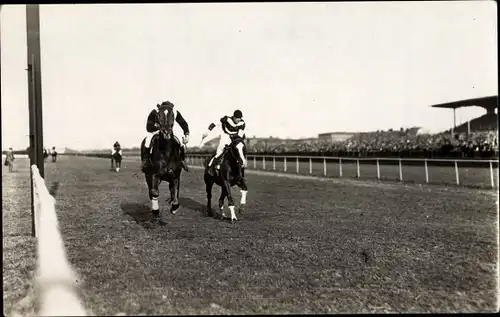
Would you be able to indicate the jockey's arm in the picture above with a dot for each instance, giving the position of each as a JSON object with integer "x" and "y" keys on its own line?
{"x": 182, "y": 123}
{"x": 150, "y": 125}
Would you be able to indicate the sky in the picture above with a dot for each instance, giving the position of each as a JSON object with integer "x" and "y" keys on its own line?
{"x": 293, "y": 69}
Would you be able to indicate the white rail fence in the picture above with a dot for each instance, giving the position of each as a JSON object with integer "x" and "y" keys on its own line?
{"x": 259, "y": 162}
{"x": 56, "y": 280}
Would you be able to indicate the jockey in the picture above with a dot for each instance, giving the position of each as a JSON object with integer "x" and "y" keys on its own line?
{"x": 232, "y": 128}
{"x": 153, "y": 126}
{"x": 116, "y": 148}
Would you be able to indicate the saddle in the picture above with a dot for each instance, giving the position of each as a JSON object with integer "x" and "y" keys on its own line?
{"x": 156, "y": 136}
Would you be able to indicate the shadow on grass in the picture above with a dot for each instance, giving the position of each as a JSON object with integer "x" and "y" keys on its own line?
{"x": 189, "y": 203}
{"x": 140, "y": 213}
{"x": 54, "y": 188}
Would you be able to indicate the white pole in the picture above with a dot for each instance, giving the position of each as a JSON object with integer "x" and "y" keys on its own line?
{"x": 263, "y": 162}
{"x": 400, "y": 170}
{"x": 285, "y": 164}
{"x": 378, "y": 169}
{"x": 310, "y": 166}
{"x": 357, "y": 169}
{"x": 492, "y": 176}
{"x": 297, "y": 164}
{"x": 426, "y": 172}
{"x": 324, "y": 166}
{"x": 255, "y": 162}
{"x": 340, "y": 166}
{"x": 456, "y": 173}
{"x": 274, "y": 163}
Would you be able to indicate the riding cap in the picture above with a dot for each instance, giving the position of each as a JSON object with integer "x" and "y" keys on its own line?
{"x": 238, "y": 114}
{"x": 167, "y": 104}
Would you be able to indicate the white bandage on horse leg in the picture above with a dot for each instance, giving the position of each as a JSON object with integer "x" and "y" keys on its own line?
{"x": 233, "y": 214}
{"x": 243, "y": 197}
{"x": 154, "y": 203}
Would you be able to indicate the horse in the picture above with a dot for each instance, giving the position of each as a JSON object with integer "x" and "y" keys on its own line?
{"x": 231, "y": 173}
{"x": 116, "y": 157}
{"x": 54, "y": 155}
{"x": 165, "y": 166}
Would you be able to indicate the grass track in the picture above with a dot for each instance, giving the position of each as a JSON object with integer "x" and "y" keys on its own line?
{"x": 303, "y": 245}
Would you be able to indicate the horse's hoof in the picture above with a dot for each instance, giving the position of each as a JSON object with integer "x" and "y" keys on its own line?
{"x": 174, "y": 208}
{"x": 233, "y": 220}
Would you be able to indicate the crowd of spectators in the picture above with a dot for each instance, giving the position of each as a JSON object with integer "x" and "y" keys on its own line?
{"x": 403, "y": 142}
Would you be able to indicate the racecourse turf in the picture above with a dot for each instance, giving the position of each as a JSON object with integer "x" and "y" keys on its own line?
{"x": 304, "y": 245}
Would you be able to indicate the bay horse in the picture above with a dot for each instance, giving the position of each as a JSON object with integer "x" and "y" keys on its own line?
{"x": 116, "y": 160}
{"x": 54, "y": 154}
{"x": 165, "y": 165}
{"x": 116, "y": 157}
{"x": 230, "y": 173}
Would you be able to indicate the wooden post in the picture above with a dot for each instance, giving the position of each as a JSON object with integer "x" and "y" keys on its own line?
{"x": 34, "y": 96}
{"x": 426, "y": 172}
{"x": 340, "y": 166}
{"x": 378, "y": 169}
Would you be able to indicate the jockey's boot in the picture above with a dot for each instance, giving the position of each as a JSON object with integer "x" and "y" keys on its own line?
{"x": 183, "y": 159}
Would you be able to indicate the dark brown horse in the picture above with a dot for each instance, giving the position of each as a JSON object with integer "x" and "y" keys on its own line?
{"x": 165, "y": 165}
{"x": 231, "y": 173}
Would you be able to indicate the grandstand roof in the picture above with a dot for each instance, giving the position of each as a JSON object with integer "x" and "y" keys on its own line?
{"x": 490, "y": 102}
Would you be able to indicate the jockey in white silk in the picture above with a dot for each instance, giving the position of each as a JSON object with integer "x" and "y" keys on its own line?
{"x": 152, "y": 127}
{"x": 228, "y": 129}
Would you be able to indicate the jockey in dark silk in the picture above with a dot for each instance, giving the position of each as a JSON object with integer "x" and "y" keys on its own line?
{"x": 153, "y": 125}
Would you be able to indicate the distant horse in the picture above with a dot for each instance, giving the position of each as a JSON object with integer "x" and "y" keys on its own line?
{"x": 54, "y": 155}
{"x": 9, "y": 161}
{"x": 116, "y": 158}
{"x": 165, "y": 165}
{"x": 231, "y": 173}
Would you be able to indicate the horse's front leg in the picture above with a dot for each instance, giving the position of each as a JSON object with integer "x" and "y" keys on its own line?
{"x": 174, "y": 195}
{"x": 230, "y": 201}
{"x": 244, "y": 190}
{"x": 153, "y": 184}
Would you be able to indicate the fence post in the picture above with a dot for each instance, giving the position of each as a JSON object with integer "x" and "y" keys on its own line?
{"x": 285, "y": 164}
{"x": 255, "y": 162}
{"x": 324, "y": 166}
{"x": 492, "y": 176}
{"x": 297, "y": 165}
{"x": 378, "y": 169}
{"x": 263, "y": 162}
{"x": 310, "y": 166}
{"x": 357, "y": 169}
{"x": 456, "y": 173}
{"x": 274, "y": 163}
{"x": 400, "y": 170}
{"x": 340, "y": 166}
{"x": 426, "y": 172}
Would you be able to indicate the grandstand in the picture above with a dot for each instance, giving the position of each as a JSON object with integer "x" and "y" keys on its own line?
{"x": 487, "y": 122}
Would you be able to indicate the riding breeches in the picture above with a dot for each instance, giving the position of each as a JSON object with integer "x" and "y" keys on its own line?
{"x": 224, "y": 140}
{"x": 113, "y": 151}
